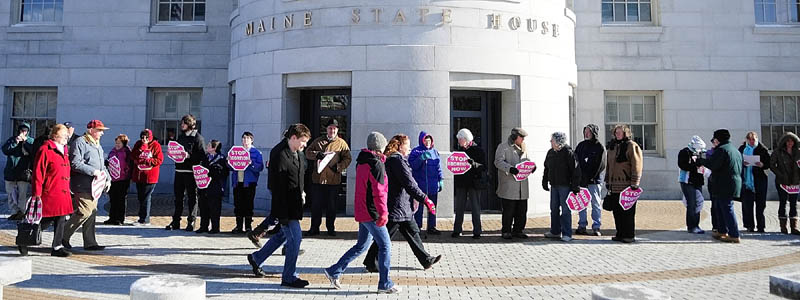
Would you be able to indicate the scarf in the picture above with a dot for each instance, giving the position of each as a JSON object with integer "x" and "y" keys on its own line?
{"x": 748, "y": 171}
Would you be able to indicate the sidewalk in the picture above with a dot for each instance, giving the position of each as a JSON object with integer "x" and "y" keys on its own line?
{"x": 686, "y": 266}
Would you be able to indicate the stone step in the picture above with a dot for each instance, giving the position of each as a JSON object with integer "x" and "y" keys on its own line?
{"x": 627, "y": 292}
{"x": 785, "y": 285}
{"x": 168, "y": 287}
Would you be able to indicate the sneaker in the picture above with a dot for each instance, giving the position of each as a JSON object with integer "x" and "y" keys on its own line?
{"x": 256, "y": 268}
{"x": 455, "y": 234}
{"x": 392, "y": 290}
{"x": 566, "y": 238}
{"x": 61, "y": 252}
{"x": 433, "y": 262}
{"x": 596, "y": 232}
{"x": 581, "y": 231}
{"x": 141, "y": 223}
{"x": 434, "y": 231}
{"x": 519, "y": 235}
{"x": 335, "y": 282}
{"x": 298, "y": 283}
{"x": 550, "y": 235}
{"x": 95, "y": 248}
{"x": 698, "y": 231}
{"x": 507, "y": 236}
{"x": 254, "y": 238}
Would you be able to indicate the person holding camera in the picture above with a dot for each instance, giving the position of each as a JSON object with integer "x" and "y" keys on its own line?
{"x": 17, "y": 173}
{"x": 469, "y": 186}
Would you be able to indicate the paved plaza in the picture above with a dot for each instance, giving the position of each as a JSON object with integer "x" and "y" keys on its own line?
{"x": 665, "y": 258}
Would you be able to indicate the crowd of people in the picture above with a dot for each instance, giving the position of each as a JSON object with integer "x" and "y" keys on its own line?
{"x": 395, "y": 185}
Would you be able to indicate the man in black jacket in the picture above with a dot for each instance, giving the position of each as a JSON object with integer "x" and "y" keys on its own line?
{"x": 592, "y": 159}
{"x": 562, "y": 171}
{"x": 194, "y": 145}
{"x": 285, "y": 181}
{"x": 18, "y": 150}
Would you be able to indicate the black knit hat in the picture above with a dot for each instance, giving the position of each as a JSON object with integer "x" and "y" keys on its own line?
{"x": 722, "y": 135}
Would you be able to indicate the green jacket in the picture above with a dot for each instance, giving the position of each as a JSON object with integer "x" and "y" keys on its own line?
{"x": 726, "y": 171}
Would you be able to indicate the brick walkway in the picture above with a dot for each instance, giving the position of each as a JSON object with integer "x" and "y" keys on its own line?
{"x": 684, "y": 265}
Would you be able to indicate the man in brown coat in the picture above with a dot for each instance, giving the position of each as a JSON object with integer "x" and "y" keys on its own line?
{"x": 331, "y": 156}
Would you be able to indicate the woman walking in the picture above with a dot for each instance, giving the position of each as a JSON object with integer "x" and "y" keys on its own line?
{"x": 754, "y": 182}
{"x": 50, "y": 179}
{"x": 691, "y": 179}
{"x": 784, "y": 164}
{"x": 401, "y": 206}
{"x": 118, "y": 193}
{"x": 147, "y": 159}
{"x": 624, "y": 170}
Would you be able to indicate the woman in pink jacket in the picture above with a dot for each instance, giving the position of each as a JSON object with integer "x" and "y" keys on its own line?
{"x": 371, "y": 213}
{"x": 120, "y": 179}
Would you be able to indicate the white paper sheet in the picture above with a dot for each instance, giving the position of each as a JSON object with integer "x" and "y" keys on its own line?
{"x": 751, "y": 159}
{"x": 321, "y": 164}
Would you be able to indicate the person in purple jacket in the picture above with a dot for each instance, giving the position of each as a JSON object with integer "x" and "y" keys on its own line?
{"x": 424, "y": 160}
{"x": 119, "y": 186}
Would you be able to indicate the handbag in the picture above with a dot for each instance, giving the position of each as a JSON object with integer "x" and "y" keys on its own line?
{"x": 29, "y": 232}
{"x": 608, "y": 203}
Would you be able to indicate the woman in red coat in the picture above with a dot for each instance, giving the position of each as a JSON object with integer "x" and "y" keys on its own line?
{"x": 50, "y": 184}
{"x": 147, "y": 159}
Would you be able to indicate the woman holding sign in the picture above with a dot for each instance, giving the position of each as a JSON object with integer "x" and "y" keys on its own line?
{"x": 787, "y": 174}
{"x": 562, "y": 171}
{"x": 210, "y": 200}
{"x": 469, "y": 185}
{"x": 244, "y": 186}
{"x": 119, "y": 164}
{"x": 624, "y": 170}
{"x": 147, "y": 158}
{"x": 512, "y": 190}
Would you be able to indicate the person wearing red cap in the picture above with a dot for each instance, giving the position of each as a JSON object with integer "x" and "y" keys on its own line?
{"x": 87, "y": 160}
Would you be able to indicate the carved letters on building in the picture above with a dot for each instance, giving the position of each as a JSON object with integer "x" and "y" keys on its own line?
{"x": 401, "y": 16}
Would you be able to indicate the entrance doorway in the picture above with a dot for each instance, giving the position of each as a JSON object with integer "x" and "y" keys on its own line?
{"x": 317, "y": 108}
{"x": 479, "y": 111}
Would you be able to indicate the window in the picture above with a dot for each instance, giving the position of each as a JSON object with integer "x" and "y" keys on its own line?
{"x": 181, "y": 11}
{"x": 627, "y": 11}
{"x": 168, "y": 107}
{"x": 40, "y": 11}
{"x": 778, "y": 116}
{"x": 36, "y": 107}
{"x": 637, "y": 110}
{"x": 777, "y": 12}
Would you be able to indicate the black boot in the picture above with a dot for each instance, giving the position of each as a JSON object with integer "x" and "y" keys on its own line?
{"x": 238, "y": 229}
{"x": 248, "y": 224}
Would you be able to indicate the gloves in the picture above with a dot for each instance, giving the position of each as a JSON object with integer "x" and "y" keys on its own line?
{"x": 320, "y": 155}
{"x": 513, "y": 171}
{"x": 634, "y": 187}
{"x": 430, "y": 205}
{"x": 441, "y": 185}
{"x": 426, "y": 155}
{"x": 382, "y": 220}
{"x": 545, "y": 187}
{"x": 283, "y": 221}
{"x": 576, "y": 190}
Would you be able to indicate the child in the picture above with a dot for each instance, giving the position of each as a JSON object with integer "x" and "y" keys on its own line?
{"x": 211, "y": 197}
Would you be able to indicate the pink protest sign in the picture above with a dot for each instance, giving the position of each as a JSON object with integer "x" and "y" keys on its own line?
{"x": 144, "y": 155}
{"x": 238, "y": 158}
{"x": 628, "y": 197}
{"x": 580, "y": 201}
{"x": 458, "y": 163}
{"x": 114, "y": 169}
{"x": 176, "y": 152}
{"x": 525, "y": 168}
{"x": 201, "y": 177}
{"x": 98, "y": 185}
{"x": 791, "y": 189}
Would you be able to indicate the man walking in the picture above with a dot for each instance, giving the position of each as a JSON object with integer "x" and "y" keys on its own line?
{"x": 194, "y": 145}
{"x": 333, "y": 152}
{"x": 17, "y": 174}
{"x": 87, "y": 160}
{"x": 286, "y": 179}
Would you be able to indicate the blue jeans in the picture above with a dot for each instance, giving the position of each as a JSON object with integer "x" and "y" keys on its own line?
{"x": 726, "y": 217}
{"x": 431, "y": 217}
{"x": 560, "y": 222}
{"x": 594, "y": 190}
{"x": 292, "y": 235}
{"x": 693, "y": 195}
{"x": 144, "y": 191}
{"x": 366, "y": 232}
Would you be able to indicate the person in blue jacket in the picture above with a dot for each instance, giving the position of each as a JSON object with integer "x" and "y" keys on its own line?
{"x": 244, "y": 186}
{"x": 424, "y": 160}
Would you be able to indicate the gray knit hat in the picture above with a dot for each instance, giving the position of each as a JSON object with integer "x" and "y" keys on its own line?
{"x": 560, "y": 138}
{"x": 376, "y": 141}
